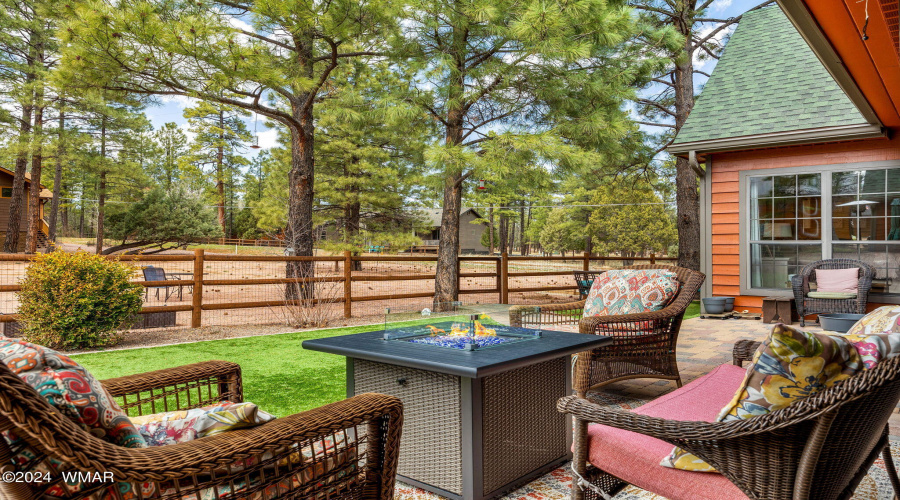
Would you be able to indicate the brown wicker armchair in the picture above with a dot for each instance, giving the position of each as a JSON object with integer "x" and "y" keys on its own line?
{"x": 807, "y": 305}
{"x": 643, "y": 344}
{"x": 817, "y": 448}
{"x": 262, "y": 461}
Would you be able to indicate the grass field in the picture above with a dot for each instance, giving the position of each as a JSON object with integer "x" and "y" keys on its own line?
{"x": 279, "y": 375}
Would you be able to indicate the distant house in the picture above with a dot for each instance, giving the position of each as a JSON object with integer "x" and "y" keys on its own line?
{"x": 801, "y": 148}
{"x": 469, "y": 232}
{"x": 6, "y": 182}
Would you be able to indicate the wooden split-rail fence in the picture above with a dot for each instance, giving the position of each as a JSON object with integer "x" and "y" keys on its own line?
{"x": 500, "y": 273}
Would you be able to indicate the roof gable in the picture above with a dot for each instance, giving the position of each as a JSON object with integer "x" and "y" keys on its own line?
{"x": 767, "y": 81}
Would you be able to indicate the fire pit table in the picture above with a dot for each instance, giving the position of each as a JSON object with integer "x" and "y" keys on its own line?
{"x": 479, "y": 397}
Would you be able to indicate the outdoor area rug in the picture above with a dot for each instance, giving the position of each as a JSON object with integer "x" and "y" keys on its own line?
{"x": 555, "y": 486}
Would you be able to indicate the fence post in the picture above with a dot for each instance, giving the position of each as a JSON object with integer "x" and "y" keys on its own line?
{"x": 197, "y": 295}
{"x": 652, "y": 258}
{"x": 504, "y": 278}
{"x": 348, "y": 282}
{"x": 587, "y": 261}
{"x": 499, "y": 278}
{"x": 458, "y": 278}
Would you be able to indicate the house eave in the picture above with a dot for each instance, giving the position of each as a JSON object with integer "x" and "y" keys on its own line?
{"x": 775, "y": 139}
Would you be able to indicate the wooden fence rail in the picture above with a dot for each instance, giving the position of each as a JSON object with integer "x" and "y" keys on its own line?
{"x": 499, "y": 271}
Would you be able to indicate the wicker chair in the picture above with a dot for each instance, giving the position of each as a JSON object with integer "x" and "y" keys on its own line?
{"x": 808, "y": 305}
{"x": 817, "y": 448}
{"x": 362, "y": 467}
{"x": 584, "y": 280}
{"x": 643, "y": 344}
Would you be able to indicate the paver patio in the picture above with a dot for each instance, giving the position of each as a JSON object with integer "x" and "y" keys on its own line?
{"x": 703, "y": 344}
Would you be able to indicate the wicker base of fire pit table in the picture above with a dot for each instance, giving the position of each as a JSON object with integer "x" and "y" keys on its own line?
{"x": 477, "y": 423}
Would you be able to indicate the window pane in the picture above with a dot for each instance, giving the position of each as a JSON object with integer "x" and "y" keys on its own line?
{"x": 871, "y": 205}
{"x": 893, "y": 228}
{"x": 844, "y": 206}
{"x": 845, "y": 251}
{"x": 844, "y": 229}
{"x": 785, "y": 208}
{"x": 872, "y": 228}
{"x": 809, "y": 229}
{"x": 811, "y": 206}
{"x": 785, "y": 185}
{"x": 771, "y": 265}
{"x": 6, "y": 193}
{"x": 764, "y": 209}
{"x": 872, "y": 181}
{"x": 761, "y": 230}
{"x": 809, "y": 184}
{"x": 893, "y": 180}
{"x": 760, "y": 187}
{"x": 844, "y": 182}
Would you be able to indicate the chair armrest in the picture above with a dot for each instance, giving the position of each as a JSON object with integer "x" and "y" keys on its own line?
{"x": 550, "y": 313}
{"x": 179, "y": 388}
{"x": 743, "y": 351}
{"x": 267, "y": 451}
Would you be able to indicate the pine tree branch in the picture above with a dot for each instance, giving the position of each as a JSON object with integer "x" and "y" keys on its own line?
{"x": 656, "y": 105}
{"x": 728, "y": 22}
{"x": 267, "y": 40}
{"x": 660, "y": 80}
{"x": 655, "y": 124}
{"x": 654, "y": 9}
{"x": 704, "y": 73}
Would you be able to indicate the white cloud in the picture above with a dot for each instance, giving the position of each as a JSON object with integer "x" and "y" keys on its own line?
{"x": 183, "y": 101}
{"x": 721, "y": 5}
{"x": 240, "y": 24}
{"x": 185, "y": 127}
{"x": 268, "y": 138}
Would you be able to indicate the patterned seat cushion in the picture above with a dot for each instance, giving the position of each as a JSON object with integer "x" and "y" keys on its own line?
{"x": 631, "y": 291}
{"x": 792, "y": 365}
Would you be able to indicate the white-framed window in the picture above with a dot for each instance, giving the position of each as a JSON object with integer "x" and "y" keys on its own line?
{"x": 793, "y": 217}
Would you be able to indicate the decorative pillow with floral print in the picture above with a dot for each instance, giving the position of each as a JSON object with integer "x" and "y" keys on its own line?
{"x": 789, "y": 366}
{"x": 173, "y": 427}
{"x": 630, "y": 291}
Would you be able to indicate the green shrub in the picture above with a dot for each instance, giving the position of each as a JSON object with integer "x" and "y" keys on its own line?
{"x": 77, "y": 300}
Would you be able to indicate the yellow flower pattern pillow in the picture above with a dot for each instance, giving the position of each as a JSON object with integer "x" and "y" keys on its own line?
{"x": 790, "y": 365}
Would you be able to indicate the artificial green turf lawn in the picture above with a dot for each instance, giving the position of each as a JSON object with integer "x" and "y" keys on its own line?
{"x": 278, "y": 374}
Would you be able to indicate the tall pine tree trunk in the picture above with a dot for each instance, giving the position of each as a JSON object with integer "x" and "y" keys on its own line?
{"x": 686, "y": 196}
{"x": 220, "y": 181}
{"x": 504, "y": 232}
{"x": 522, "y": 229}
{"x": 34, "y": 202}
{"x": 446, "y": 281}
{"x": 299, "y": 231}
{"x": 17, "y": 200}
{"x": 57, "y": 181}
{"x": 101, "y": 192}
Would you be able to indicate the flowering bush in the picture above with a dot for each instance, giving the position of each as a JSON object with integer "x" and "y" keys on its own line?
{"x": 77, "y": 300}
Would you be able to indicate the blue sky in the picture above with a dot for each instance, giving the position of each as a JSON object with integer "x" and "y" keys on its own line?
{"x": 171, "y": 108}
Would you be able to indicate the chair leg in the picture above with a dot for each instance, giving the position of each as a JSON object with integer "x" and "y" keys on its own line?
{"x": 579, "y": 457}
{"x": 891, "y": 469}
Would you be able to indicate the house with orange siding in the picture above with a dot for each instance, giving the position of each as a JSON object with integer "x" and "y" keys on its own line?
{"x": 796, "y": 139}
{"x": 6, "y": 183}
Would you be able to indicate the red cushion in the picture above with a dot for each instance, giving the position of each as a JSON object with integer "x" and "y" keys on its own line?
{"x": 635, "y": 457}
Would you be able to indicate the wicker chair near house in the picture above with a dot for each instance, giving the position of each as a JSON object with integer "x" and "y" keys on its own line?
{"x": 262, "y": 460}
{"x": 643, "y": 344}
{"x": 807, "y": 305}
{"x": 820, "y": 447}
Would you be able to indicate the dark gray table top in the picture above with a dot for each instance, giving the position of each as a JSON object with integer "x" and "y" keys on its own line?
{"x": 473, "y": 364}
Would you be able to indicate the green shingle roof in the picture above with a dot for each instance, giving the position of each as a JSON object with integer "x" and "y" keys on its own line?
{"x": 767, "y": 80}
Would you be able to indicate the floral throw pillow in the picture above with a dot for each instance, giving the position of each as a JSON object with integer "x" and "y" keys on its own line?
{"x": 885, "y": 319}
{"x": 71, "y": 389}
{"x": 630, "y": 291}
{"x": 172, "y": 427}
{"x": 789, "y": 366}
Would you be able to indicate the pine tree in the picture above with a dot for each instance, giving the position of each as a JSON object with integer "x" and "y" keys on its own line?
{"x": 220, "y": 135}
{"x": 698, "y": 36}
{"x": 173, "y": 144}
{"x": 495, "y": 74}
{"x": 279, "y": 67}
